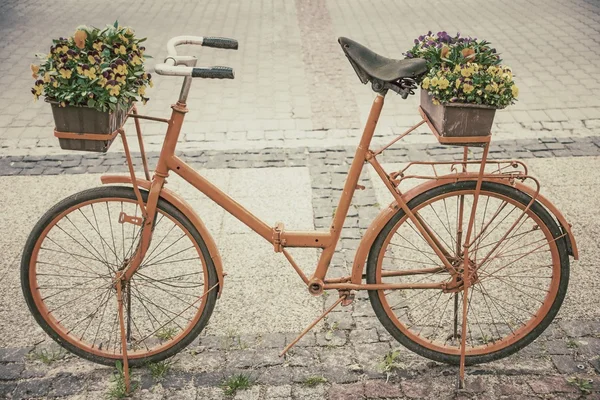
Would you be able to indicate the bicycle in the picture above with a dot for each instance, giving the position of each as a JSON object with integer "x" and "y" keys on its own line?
{"x": 468, "y": 243}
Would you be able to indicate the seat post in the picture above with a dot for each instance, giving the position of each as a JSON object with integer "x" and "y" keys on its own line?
{"x": 350, "y": 185}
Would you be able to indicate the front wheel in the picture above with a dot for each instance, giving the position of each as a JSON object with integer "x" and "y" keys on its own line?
{"x": 519, "y": 273}
{"x": 69, "y": 266}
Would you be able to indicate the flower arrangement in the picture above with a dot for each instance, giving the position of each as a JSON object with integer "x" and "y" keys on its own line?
{"x": 99, "y": 69}
{"x": 464, "y": 70}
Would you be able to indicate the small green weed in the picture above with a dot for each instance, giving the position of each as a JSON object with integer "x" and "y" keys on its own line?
{"x": 331, "y": 330}
{"x": 47, "y": 356}
{"x": 572, "y": 344}
{"x": 389, "y": 363}
{"x": 313, "y": 381}
{"x": 584, "y": 385}
{"x": 118, "y": 389}
{"x": 233, "y": 341}
{"x": 158, "y": 370}
{"x": 236, "y": 382}
{"x": 165, "y": 334}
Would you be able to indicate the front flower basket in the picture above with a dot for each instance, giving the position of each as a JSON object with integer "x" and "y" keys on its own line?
{"x": 87, "y": 129}
{"x": 458, "y": 120}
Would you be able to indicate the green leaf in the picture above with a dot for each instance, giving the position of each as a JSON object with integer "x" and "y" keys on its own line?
{"x": 112, "y": 99}
{"x": 142, "y": 40}
{"x": 91, "y": 103}
{"x": 116, "y": 24}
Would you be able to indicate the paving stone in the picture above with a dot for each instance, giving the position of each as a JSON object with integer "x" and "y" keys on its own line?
{"x": 331, "y": 338}
{"x": 364, "y": 336}
{"x": 415, "y": 389}
{"x": 550, "y": 384}
{"x": 14, "y": 354}
{"x": 309, "y": 393}
{"x": 381, "y": 389}
{"x": 9, "y": 372}
{"x": 32, "y": 388}
{"x": 177, "y": 379}
{"x": 580, "y": 328}
{"x": 6, "y": 389}
{"x": 278, "y": 392}
{"x": 275, "y": 376}
{"x": 301, "y": 357}
{"x": 254, "y": 359}
{"x": 353, "y": 391}
{"x": 66, "y": 385}
{"x": 567, "y": 365}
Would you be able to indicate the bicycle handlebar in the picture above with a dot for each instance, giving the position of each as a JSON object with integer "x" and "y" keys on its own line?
{"x": 173, "y": 63}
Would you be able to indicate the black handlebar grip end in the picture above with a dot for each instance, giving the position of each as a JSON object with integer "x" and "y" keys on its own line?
{"x": 213, "y": 73}
{"x": 220, "y": 43}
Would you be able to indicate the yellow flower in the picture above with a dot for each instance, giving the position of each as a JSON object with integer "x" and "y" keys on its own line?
{"x": 124, "y": 39}
{"x": 142, "y": 90}
{"x": 91, "y": 59}
{"x": 90, "y": 73}
{"x": 55, "y": 84}
{"x": 97, "y": 46}
{"x": 113, "y": 90}
{"x": 128, "y": 31}
{"x": 492, "y": 70}
{"x": 38, "y": 89}
{"x": 135, "y": 60}
{"x": 47, "y": 78}
{"x": 468, "y": 88}
{"x": 435, "y": 101}
{"x": 425, "y": 83}
{"x": 151, "y": 84}
{"x": 121, "y": 69}
{"x": 434, "y": 81}
{"x": 467, "y": 72}
{"x": 515, "y": 91}
{"x": 65, "y": 73}
{"x": 457, "y": 83}
{"x": 121, "y": 50}
{"x": 480, "y": 92}
{"x": 457, "y": 68}
{"x": 79, "y": 70}
{"x": 443, "y": 83}
{"x": 121, "y": 78}
{"x": 102, "y": 81}
{"x": 507, "y": 76}
{"x": 34, "y": 71}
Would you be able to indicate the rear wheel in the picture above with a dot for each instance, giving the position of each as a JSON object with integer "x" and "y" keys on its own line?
{"x": 520, "y": 263}
{"x": 70, "y": 262}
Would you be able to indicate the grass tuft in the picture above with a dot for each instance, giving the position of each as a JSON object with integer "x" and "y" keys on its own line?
{"x": 47, "y": 356}
{"x": 236, "y": 382}
{"x": 118, "y": 389}
{"x": 158, "y": 370}
{"x": 313, "y": 381}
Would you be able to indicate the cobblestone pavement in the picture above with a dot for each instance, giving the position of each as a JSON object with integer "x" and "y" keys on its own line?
{"x": 342, "y": 357}
{"x": 293, "y": 87}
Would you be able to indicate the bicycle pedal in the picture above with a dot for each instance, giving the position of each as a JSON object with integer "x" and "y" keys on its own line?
{"x": 348, "y": 299}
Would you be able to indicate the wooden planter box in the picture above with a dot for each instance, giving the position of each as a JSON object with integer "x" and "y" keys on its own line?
{"x": 458, "y": 120}
{"x": 97, "y": 129}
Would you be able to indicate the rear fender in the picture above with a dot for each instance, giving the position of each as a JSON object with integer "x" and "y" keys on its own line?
{"x": 184, "y": 207}
{"x": 385, "y": 215}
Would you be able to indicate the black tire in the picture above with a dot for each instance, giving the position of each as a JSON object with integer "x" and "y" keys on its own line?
{"x": 124, "y": 193}
{"x": 501, "y": 189}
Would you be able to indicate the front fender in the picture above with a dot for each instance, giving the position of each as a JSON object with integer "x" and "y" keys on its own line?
{"x": 385, "y": 215}
{"x": 189, "y": 212}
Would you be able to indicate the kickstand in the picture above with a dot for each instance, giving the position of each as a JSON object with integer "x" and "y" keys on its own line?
{"x": 308, "y": 328}
{"x": 123, "y": 338}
